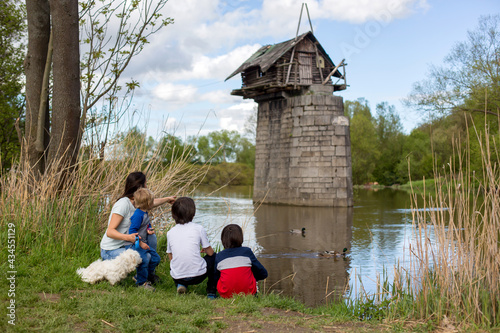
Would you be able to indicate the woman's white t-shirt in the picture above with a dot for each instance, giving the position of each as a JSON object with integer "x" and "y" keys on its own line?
{"x": 122, "y": 207}
{"x": 184, "y": 241}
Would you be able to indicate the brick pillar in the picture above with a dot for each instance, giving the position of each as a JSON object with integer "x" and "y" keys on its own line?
{"x": 303, "y": 150}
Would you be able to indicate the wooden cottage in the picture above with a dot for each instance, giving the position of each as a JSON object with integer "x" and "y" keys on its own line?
{"x": 291, "y": 65}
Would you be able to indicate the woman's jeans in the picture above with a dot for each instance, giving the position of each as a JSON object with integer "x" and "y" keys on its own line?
{"x": 112, "y": 254}
{"x": 150, "y": 259}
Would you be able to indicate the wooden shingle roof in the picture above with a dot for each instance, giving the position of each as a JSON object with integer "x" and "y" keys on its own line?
{"x": 267, "y": 55}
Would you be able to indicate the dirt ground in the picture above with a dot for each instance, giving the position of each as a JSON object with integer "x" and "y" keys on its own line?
{"x": 278, "y": 320}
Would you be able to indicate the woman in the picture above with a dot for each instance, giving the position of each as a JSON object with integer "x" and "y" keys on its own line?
{"x": 116, "y": 239}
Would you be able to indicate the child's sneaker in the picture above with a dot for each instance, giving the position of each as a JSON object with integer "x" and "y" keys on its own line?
{"x": 147, "y": 286}
{"x": 181, "y": 289}
{"x": 211, "y": 296}
{"x": 153, "y": 278}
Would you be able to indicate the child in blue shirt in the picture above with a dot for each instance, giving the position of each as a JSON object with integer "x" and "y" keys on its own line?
{"x": 139, "y": 223}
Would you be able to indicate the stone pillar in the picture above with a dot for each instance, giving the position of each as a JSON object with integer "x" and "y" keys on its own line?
{"x": 303, "y": 149}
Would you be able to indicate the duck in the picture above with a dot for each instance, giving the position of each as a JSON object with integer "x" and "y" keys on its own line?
{"x": 298, "y": 231}
{"x": 331, "y": 254}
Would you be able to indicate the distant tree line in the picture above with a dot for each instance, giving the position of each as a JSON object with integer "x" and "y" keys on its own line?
{"x": 216, "y": 147}
{"x": 231, "y": 156}
{"x": 383, "y": 153}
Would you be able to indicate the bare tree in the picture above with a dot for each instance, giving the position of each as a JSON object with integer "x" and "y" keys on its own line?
{"x": 38, "y": 15}
{"x": 112, "y": 34}
{"x": 250, "y": 128}
{"x": 64, "y": 145}
{"x": 40, "y": 148}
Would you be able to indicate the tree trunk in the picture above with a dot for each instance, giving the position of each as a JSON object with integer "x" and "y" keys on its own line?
{"x": 38, "y": 15}
{"x": 66, "y": 111}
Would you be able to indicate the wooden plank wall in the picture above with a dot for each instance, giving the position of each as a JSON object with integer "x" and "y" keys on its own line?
{"x": 304, "y": 69}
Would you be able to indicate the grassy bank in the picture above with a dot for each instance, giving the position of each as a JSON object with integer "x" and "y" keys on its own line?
{"x": 413, "y": 187}
{"x": 418, "y": 186}
{"x": 51, "y": 297}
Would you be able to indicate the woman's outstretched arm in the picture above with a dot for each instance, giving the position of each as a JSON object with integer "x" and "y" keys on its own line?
{"x": 161, "y": 201}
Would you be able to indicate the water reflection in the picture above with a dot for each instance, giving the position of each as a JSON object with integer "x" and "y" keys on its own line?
{"x": 377, "y": 231}
{"x": 291, "y": 259}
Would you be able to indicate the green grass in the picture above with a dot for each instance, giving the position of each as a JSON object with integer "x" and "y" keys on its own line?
{"x": 413, "y": 187}
{"x": 418, "y": 186}
{"x": 51, "y": 297}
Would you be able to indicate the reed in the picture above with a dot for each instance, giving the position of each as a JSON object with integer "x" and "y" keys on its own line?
{"x": 454, "y": 264}
{"x": 451, "y": 273}
{"x": 67, "y": 209}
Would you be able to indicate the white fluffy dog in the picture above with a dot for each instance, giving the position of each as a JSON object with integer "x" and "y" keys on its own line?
{"x": 112, "y": 270}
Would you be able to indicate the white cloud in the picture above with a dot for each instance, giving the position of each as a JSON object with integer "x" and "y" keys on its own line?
{"x": 170, "y": 124}
{"x": 212, "y": 38}
{"x": 219, "y": 67}
{"x": 235, "y": 117}
{"x": 204, "y": 68}
{"x": 176, "y": 93}
{"x": 229, "y": 124}
{"x": 353, "y": 11}
{"x": 218, "y": 97}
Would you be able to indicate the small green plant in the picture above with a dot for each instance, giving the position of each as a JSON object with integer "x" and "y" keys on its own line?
{"x": 370, "y": 309}
{"x": 247, "y": 304}
{"x": 200, "y": 321}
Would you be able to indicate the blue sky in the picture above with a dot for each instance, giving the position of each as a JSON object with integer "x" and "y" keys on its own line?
{"x": 388, "y": 45}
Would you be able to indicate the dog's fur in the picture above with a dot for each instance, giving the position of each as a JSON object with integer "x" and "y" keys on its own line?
{"x": 112, "y": 270}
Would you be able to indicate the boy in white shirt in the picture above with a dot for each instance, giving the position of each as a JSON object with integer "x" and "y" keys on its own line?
{"x": 184, "y": 240}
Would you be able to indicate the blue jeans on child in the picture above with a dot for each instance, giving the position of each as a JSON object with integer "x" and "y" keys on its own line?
{"x": 152, "y": 241}
{"x": 150, "y": 259}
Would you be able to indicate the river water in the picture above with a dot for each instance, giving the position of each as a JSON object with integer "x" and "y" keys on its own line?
{"x": 376, "y": 231}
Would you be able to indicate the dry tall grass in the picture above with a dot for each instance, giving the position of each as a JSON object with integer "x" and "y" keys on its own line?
{"x": 455, "y": 264}
{"x": 74, "y": 216}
